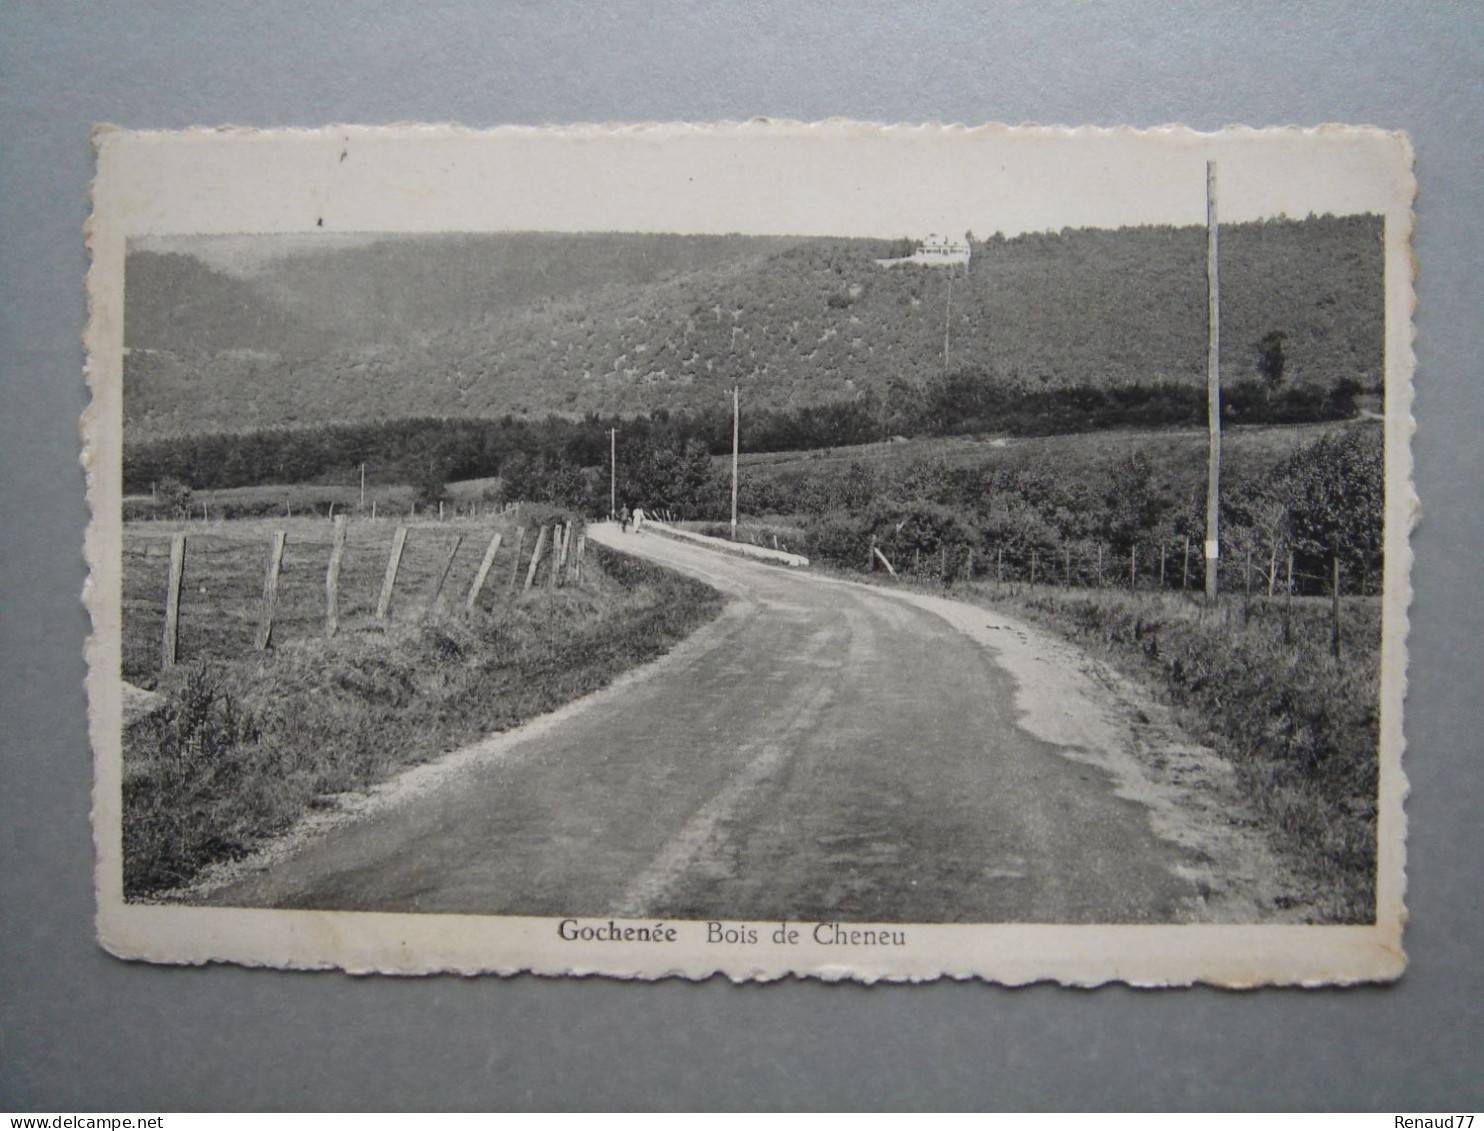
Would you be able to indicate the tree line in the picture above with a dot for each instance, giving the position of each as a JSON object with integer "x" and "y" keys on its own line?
{"x": 548, "y": 456}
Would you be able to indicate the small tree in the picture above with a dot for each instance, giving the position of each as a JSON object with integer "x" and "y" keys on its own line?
{"x": 1132, "y": 507}
{"x": 174, "y": 497}
{"x": 1334, "y": 490}
{"x": 429, "y": 480}
{"x": 1271, "y": 361}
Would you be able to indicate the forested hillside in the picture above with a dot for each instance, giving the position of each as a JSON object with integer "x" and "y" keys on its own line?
{"x": 529, "y": 324}
{"x": 306, "y": 297}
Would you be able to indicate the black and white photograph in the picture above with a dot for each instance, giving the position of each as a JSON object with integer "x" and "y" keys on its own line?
{"x": 764, "y": 549}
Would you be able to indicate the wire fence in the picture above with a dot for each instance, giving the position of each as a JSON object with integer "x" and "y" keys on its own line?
{"x": 1255, "y": 585}
{"x": 1178, "y": 566}
{"x": 200, "y": 591}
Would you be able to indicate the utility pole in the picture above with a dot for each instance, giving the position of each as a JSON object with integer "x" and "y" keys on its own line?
{"x": 1213, "y": 387}
{"x": 363, "y": 485}
{"x": 736, "y": 423}
{"x": 612, "y": 472}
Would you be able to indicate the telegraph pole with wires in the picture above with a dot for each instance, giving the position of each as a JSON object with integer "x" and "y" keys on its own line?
{"x": 736, "y": 432}
{"x": 1213, "y": 388}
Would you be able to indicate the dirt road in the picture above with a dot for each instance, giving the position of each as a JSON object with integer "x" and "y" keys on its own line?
{"x": 823, "y": 750}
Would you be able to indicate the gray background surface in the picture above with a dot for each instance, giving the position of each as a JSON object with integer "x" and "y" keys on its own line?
{"x": 81, "y": 1030}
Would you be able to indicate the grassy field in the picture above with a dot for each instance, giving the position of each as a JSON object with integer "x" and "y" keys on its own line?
{"x": 244, "y": 743}
{"x": 303, "y": 500}
{"x": 1178, "y": 455}
{"x": 221, "y": 590}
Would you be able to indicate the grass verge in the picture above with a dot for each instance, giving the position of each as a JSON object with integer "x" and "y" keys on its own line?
{"x": 1301, "y": 728}
{"x": 241, "y": 749}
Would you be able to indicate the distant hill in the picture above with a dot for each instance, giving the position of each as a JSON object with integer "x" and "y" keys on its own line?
{"x": 534, "y": 323}
{"x": 361, "y": 291}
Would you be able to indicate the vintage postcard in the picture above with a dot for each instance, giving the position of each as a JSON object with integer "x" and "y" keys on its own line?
{"x": 755, "y": 549}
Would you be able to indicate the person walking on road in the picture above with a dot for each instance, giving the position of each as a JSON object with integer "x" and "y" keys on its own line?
{"x": 623, "y": 518}
{"x": 638, "y": 519}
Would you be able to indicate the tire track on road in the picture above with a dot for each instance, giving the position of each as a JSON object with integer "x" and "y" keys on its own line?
{"x": 669, "y": 866}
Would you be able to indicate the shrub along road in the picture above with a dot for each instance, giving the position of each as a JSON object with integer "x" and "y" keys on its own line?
{"x": 823, "y": 750}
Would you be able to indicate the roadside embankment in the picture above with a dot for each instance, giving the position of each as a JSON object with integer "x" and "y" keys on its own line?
{"x": 236, "y": 751}
{"x": 1300, "y": 725}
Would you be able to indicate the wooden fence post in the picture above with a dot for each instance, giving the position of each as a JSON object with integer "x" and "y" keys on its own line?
{"x": 1335, "y": 636}
{"x": 969, "y": 565}
{"x": 566, "y": 558}
{"x": 332, "y": 579}
{"x": 484, "y": 571}
{"x": 270, "y": 590}
{"x": 535, "y": 559}
{"x": 943, "y": 568}
{"x": 1185, "y": 569}
{"x": 443, "y": 573}
{"x": 520, "y": 541}
{"x": 999, "y": 566}
{"x": 1066, "y": 566}
{"x": 1288, "y": 604}
{"x": 1247, "y": 588}
{"x": 389, "y": 582}
{"x": 1033, "y": 569}
{"x": 171, "y": 647}
{"x": 558, "y": 536}
{"x": 581, "y": 553}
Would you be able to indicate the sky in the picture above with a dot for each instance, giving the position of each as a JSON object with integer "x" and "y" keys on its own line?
{"x": 764, "y": 179}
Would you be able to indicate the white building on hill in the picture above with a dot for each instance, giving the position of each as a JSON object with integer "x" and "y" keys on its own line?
{"x": 937, "y": 251}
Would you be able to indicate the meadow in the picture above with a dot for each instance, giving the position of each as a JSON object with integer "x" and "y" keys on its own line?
{"x": 1177, "y": 456}
{"x": 225, "y": 565}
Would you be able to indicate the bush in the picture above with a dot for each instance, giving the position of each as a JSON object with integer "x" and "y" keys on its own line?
{"x": 839, "y": 538}
{"x": 197, "y": 751}
{"x": 173, "y": 498}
